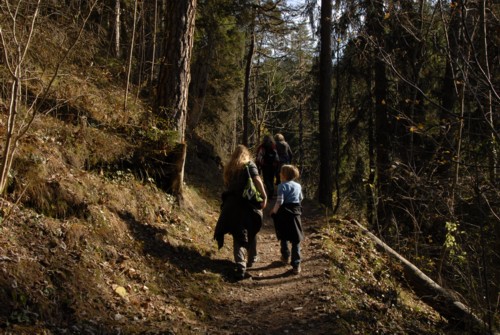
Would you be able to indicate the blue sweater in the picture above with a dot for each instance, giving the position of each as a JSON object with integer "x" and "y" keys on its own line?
{"x": 289, "y": 192}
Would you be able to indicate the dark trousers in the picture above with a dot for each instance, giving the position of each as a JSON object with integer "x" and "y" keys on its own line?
{"x": 285, "y": 252}
{"x": 268, "y": 176}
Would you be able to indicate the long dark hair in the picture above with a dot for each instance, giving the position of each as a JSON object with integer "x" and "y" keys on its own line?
{"x": 268, "y": 141}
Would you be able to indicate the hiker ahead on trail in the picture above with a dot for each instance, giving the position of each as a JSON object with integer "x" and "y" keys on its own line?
{"x": 267, "y": 162}
{"x": 238, "y": 216}
{"x": 284, "y": 152}
{"x": 286, "y": 215}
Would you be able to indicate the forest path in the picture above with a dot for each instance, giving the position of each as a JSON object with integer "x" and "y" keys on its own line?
{"x": 274, "y": 300}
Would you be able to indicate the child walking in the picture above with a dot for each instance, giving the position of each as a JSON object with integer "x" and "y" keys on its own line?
{"x": 286, "y": 215}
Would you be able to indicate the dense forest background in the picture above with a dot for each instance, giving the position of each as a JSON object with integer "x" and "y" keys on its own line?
{"x": 391, "y": 109}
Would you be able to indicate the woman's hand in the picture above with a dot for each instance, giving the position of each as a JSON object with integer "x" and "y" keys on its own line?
{"x": 260, "y": 186}
{"x": 263, "y": 204}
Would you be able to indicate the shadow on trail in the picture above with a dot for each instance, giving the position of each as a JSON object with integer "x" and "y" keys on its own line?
{"x": 280, "y": 279}
{"x": 286, "y": 274}
{"x": 184, "y": 258}
{"x": 272, "y": 265}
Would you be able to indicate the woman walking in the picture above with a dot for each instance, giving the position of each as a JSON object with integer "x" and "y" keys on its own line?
{"x": 239, "y": 217}
{"x": 267, "y": 161}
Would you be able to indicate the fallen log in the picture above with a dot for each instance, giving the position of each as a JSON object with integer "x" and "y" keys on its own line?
{"x": 433, "y": 294}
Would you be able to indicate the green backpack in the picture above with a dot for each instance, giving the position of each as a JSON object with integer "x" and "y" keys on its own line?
{"x": 250, "y": 192}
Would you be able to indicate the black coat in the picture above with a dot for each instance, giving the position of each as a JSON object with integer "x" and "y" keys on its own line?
{"x": 288, "y": 224}
{"x": 284, "y": 152}
{"x": 237, "y": 218}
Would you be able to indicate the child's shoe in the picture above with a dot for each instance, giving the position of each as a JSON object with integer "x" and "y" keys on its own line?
{"x": 253, "y": 260}
{"x": 284, "y": 260}
{"x": 296, "y": 269}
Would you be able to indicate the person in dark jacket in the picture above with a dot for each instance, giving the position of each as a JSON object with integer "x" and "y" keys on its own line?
{"x": 239, "y": 217}
{"x": 284, "y": 152}
{"x": 267, "y": 162}
{"x": 286, "y": 214}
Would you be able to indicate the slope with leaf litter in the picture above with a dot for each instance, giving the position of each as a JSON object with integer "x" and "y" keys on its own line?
{"x": 88, "y": 242}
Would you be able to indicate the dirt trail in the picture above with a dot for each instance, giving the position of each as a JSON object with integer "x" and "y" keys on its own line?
{"x": 274, "y": 300}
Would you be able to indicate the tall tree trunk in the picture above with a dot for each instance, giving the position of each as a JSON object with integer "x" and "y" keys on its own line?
{"x": 449, "y": 90}
{"x": 175, "y": 75}
{"x": 410, "y": 142}
{"x": 488, "y": 99}
{"x": 370, "y": 185}
{"x": 246, "y": 91}
{"x": 201, "y": 68}
{"x": 130, "y": 57}
{"x": 198, "y": 91}
{"x": 375, "y": 17}
{"x": 325, "y": 189}
{"x": 492, "y": 154}
{"x": 117, "y": 28}
{"x": 336, "y": 129}
{"x": 153, "y": 46}
{"x": 383, "y": 146}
